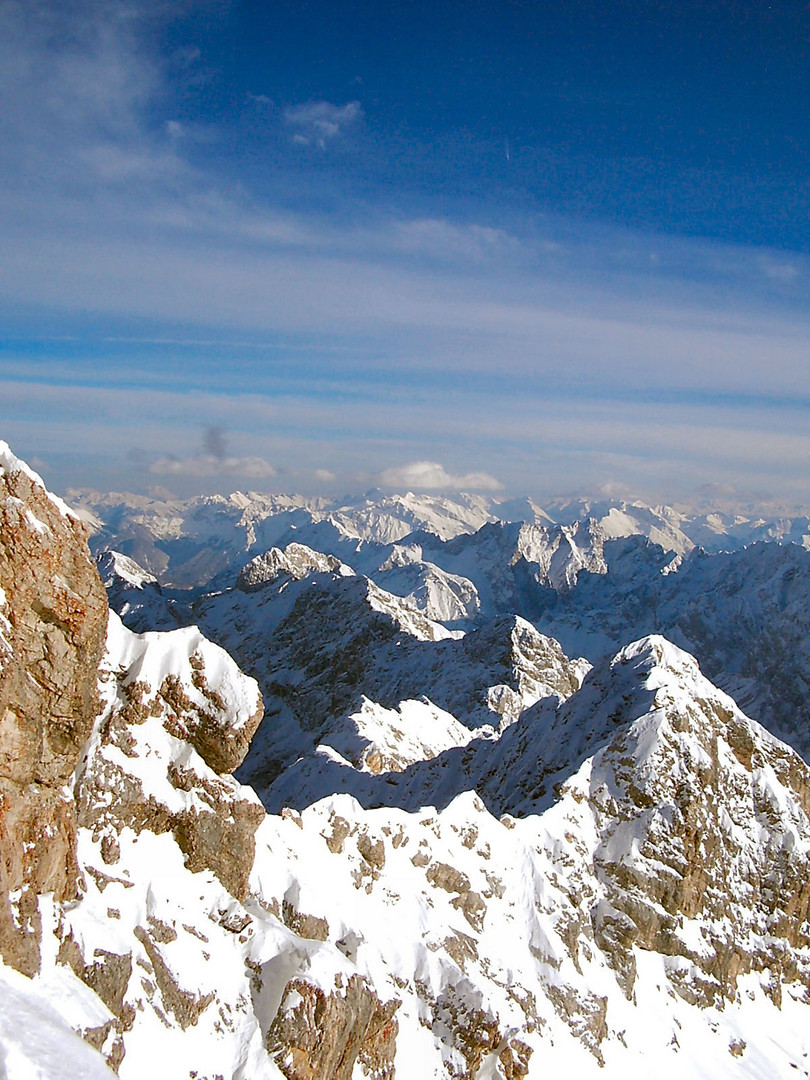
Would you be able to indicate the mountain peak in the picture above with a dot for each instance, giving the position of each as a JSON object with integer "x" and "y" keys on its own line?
{"x": 10, "y": 465}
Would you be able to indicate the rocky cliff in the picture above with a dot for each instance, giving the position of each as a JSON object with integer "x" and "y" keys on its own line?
{"x": 53, "y": 620}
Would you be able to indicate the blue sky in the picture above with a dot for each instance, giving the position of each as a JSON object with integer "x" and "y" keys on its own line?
{"x": 546, "y": 247}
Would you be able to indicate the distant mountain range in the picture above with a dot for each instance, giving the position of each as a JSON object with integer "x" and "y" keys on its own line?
{"x": 185, "y": 543}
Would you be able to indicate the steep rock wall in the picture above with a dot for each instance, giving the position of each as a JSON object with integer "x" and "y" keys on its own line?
{"x": 53, "y": 619}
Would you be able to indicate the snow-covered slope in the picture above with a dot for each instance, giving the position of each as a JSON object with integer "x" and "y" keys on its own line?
{"x": 651, "y": 904}
{"x": 629, "y": 923}
{"x": 38, "y": 1022}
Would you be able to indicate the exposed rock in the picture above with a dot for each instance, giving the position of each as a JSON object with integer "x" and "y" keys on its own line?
{"x": 211, "y": 817}
{"x": 584, "y": 1014}
{"x": 373, "y": 851}
{"x": 38, "y": 844}
{"x": 340, "y": 830}
{"x": 53, "y": 616}
{"x": 308, "y": 926}
{"x": 184, "y": 1005}
{"x": 475, "y": 1035}
{"x": 208, "y": 725}
{"x": 317, "y": 1035}
{"x": 447, "y": 877}
{"x": 54, "y": 613}
{"x": 108, "y": 974}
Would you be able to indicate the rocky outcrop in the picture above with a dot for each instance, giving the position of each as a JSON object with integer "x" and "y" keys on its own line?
{"x": 107, "y": 738}
{"x": 703, "y": 821}
{"x": 53, "y": 618}
{"x": 296, "y": 561}
{"x": 164, "y": 695}
{"x": 317, "y": 1034}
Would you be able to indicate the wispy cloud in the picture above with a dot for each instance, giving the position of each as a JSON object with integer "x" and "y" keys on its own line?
{"x": 317, "y": 123}
{"x": 784, "y": 271}
{"x": 206, "y": 466}
{"x": 193, "y": 133}
{"x": 543, "y": 447}
{"x": 76, "y": 90}
{"x": 448, "y": 241}
{"x": 430, "y": 475}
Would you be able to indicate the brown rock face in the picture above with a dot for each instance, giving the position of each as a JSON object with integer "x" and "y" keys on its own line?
{"x": 56, "y": 611}
{"x": 721, "y": 812}
{"x": 316, "y": 1035}
{"x": 219, "y": 743}
{"x": 53, "y": 619}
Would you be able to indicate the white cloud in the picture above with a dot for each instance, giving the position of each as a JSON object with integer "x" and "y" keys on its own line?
{"x": 430, "y": 475}
{"x": 325, "y": 476}
{"x": 317, "y": 123}
{"x": 209, "y": 465}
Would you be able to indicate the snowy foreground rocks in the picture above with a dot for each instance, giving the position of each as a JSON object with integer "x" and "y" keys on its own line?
{"x": 550, "y": 870}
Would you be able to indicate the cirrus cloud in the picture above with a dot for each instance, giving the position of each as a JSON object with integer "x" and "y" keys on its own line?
{"x": 430, "y": 475}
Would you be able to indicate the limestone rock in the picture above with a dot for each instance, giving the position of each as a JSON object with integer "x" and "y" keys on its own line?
{"x": 318, "y": 1034}
{"x": 53, "y": 616}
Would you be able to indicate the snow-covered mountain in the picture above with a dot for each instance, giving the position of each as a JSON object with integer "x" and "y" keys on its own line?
{"x": 616, "y": 571}
{"x": 187, "y": 542}
{"x": 744, "y": 614}
{"x": 680, "y": 529}
{"x": 323, "y": 644}
{"x": 489, "y": 862}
